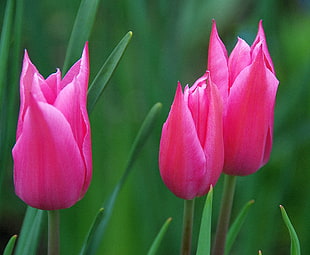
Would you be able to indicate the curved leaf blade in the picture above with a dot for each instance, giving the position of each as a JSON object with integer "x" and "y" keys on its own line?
{"x": 105, "y": 73}
{"x": 81, "y": 30}
{"x": 236, "y": 226}
{"x": 155, "y": 245}
{"x": 295, "y": 246}
{"x": 141, "y": 138}
{"x": 10, "y": 246}
{"x": 92, "y": 231}
{"x": 29, "y": 236}
{"x": 204, "y": 241}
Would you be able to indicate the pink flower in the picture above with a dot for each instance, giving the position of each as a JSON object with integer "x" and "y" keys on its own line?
{"x": 191, "y": 145}
{"x": 52, "y": 154}
{"x": 246, "y": 80}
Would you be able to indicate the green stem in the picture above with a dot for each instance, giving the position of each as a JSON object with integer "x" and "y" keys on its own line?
{"x": 188, "y": 218}
{"x": 224, "y": 217}
{"x": 53, "y": 233}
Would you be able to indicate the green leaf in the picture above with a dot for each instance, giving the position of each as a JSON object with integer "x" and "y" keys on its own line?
{"x": 204, "y": 240}
{"x": 92, "y": 231}
{"x": 5, "y": 43}
{"x": 236, "y": 226}
{"x": 4, "y": 55}
{"x": 93, "y": 242}
{"x": 10, "y": 246}
{"x": 106, "y": 71}
{"x": 9, "y": 73}
{"x": 159, "y": 237}
{"x": 295, "y": 247}
{"x": 81, "y": 30}
{"x": 29, "y": 236}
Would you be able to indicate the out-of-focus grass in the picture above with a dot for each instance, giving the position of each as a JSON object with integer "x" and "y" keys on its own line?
{"x": 170, "y": 43}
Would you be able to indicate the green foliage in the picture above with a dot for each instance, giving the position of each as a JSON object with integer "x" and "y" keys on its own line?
{"x": 10, "y": 246}
{"x": 204, "y": 241}
{"x": 81, "y": 31}
{"x": 295, "y": 246}
{"x": 4, "y": 56}
{"x": 97, "y": 230}
{"x": 102, "y": 78}
{"x": 236, "y": 226}
{"x": 155, "y": 245}
{"x": 30, "y": 232}
{"x": 92, "y": 232}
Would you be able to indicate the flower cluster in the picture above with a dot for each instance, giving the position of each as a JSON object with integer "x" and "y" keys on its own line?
{"x": 224, "y": 122}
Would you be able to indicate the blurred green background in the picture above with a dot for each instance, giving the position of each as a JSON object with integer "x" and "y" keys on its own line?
{"x": 169, "y": 44}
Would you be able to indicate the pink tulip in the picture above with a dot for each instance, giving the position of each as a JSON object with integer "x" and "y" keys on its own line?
{"x": 191, "y": 146}
{"x": 52, "y": 154}
{"x": 246, "y": 80}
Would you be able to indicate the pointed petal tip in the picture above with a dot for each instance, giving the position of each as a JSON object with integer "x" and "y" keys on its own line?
{"x": 179, "y": 86}
{"x": 25, "y": 53}
{"x": 86, "y": 46}
{"x": 260, "y": 52}
{"x": 214, "y": 28}
{"x": 26, "y": 57}
{"x": 206, "y": 74}
{"x": 260, "y": 30}
{"x": 85, "y": 53}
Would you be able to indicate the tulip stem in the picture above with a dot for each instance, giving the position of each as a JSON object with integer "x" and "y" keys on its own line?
{"x": 188, "y": 218}
{"x": 224, "y": 216}
{"x": 53, "y": 233}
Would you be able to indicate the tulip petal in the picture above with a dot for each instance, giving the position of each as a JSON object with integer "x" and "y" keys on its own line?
{"x": 214, "y": 143}
{"x": 239, "y": 58}
{"x": 48, "y": 169}
{"x": 205, "y": 103}
{"x": 249, "y": 120}
{"x": 53, "y": 82}
{"x": 181, "y": 157}
{"x": 80, "y": 70}
{"x": 217, "y": 62}
{"x": 29, "y": 82}
{"x": 73, "y": 106}
{"x": 77, "y": 79}
{"x": 198, "y": 102}
{"x": 260, "y": 37}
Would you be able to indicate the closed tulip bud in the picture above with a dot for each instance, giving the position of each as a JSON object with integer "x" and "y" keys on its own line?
{"x": 247, "y": 82}
{"x": 52, "y": 155}
{"x": 191, "y": 145}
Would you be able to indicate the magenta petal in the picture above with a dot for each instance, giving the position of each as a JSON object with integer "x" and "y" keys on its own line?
{"x": 80, "y": 70}
{"x": 239, "y": 58}
{"x": 40, "y": 90}
{"x": 69, "y": 103}
{"x": 249, "y": 120}
{"x": 214, "y": 143}
{"x": 53, "y": 82}
{"x": 181, "y": 157}
{"x": 205, "y": 103}
{"x": 29, "y": 82}
{"x": 218, "y": 62}
{"x": 48, "y": 171}
{"x": 197, "y": 100}
{"x": 72, "y": 103}
{"x": 261, "y": 38}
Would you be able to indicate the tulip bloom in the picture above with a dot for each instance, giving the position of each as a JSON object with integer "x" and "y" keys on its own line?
{"x": 247, "y": 82}
{"x": 191, "y": 146}
{"x": 52, "y": 154}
